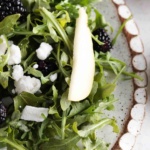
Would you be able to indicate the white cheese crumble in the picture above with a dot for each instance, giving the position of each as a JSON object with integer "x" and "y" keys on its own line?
{"x": 44, "y": 51}
{"x": 37, "y": 114}
{"x": 27, "y": 84}
{"x": 13, "y": 91}
{"x": 53, "y": 77}
{"x": 17, "y": 72}
{"x": 35, "y": 66}
{"x": 3, "y": 45}
{"x": 10, "y": 43}
{"x": 15, "y": 55}
{"x": 3, "y": 148}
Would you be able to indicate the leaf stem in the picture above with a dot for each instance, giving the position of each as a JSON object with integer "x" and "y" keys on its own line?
{"x": 63, "y": 124}
{"x": 30, "y": 33}
{"x": 120, "y": 30}
{"x": 64, "y": 72}
{"x": 15, "y": 145}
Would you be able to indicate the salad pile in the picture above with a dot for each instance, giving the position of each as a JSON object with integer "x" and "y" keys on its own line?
{"x": 36, "y": 62}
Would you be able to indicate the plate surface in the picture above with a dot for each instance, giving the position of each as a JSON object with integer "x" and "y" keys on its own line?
{"x": 131, "y": 95}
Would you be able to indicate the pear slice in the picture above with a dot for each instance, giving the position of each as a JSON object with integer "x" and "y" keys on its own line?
{"x": 83, "y": 60}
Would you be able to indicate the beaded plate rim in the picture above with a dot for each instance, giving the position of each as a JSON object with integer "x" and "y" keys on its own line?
{"x": 137, "y": 113}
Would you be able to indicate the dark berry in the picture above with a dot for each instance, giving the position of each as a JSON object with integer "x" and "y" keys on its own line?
{"x": 9, "y": 7}
{"x": 2, "y": 113}
{"x": 46, "y": 66}
{"x": 103, "y": 37}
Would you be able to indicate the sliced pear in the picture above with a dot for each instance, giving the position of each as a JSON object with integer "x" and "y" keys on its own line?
{"x": 83, "y": 60}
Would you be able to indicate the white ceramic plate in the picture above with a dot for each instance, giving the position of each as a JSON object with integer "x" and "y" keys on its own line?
{"x": 131, "y": 94}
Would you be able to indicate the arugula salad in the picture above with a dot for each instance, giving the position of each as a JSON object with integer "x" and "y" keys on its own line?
{"x": 36, "y": 63}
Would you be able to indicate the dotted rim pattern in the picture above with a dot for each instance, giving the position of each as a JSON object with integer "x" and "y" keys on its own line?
{"x": 137, "y": 113}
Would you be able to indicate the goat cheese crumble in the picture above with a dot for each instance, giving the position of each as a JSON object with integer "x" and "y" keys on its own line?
{"x": 31, "y": 113}
{"x": 15, "y": 55}
{"x": 17, "y": 72}
{"x": 27, "y": 84}
{"x": 53, "y": 77}
{"x": 35, "y": 66}
{"x": 44, "y": 51}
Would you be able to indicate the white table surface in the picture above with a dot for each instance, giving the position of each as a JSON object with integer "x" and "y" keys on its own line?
{"x": 141, "y": 13}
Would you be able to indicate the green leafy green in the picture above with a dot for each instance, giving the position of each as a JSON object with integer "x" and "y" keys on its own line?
{"x": 86, "y": 130}
{"x": 34, "y": 72}
{"x": 24, "y": 98}
{"x": 7, "y": 25}
{"x": 68, "y": 144}
{"x": 64, "y": 102}
{"x": 77, "y": 108}
{"x": 120, "y": 30}
{"x": 94, "y": 144}
{"x": 53, "y": 23}
{"x": 99, "y": 20}
{"x": 23, "y": 46}
{"x": 84, "y": 2}
{"x": 10, "y": 139}
{"x": 4, "y": 58}
{"x": 4, "y": 78}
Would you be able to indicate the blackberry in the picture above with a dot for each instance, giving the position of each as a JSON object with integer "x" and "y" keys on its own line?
{"x": 2, "y": 113}
{"x": 46, "y": 66}
{"x": 9, "y": 7}
{"x": 103, "y": 37}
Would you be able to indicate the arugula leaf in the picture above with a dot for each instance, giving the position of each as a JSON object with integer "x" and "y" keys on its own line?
{"x": 77, "y": 108}
{"x": 31, "y": 5}
{"x": 41, "y": 3}
{"x": 88, "y": 129}
{"x": 97, "y": 144}
{"x": 51, "y": 20}
{"x": 4, "y": 78}
{"x": 10, "y": 139}
{"x": 39, "y": 28}
{"x": 120, "y": 30}
{"x": 42, "y": 128}
{"x": 95, "y": 38}
{"x": 53, "y": 109}
{"x": 7, "y": 25}
{"x": 93, "y": 91}
{"x": 98, "y": 106}
{"x": 63, "y": 18}
{"x": 106, "y": 103}
{"x": 99, "y": 20}
{"x": 34, "y": 72}
{"x": 64, "y": 102}
{"x": 71, "y": 9}
{"x": 23, "y": 47}
{"x": 64, "y": 59}
{"x": 3, "y": 146}
{"x": 66, "y": 144}
{"x": 4, "y": 58}
{"x": 29, "y": 60}
{"x": 107, "y": 90}
{"x": 61, "y": 68}
{"x": 25, "y": 98}
{"x": 55, "y": 94}
{"x": 84, "y": 2}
